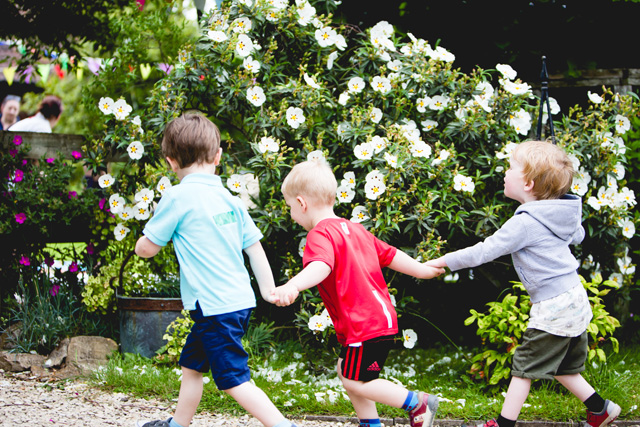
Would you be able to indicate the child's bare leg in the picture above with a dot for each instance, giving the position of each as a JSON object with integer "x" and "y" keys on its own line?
{"x": 256, "y": 402}
{"x": 189, "y": 397}
{"x": 577, "y": 385}
{"x": 516, "y": 395}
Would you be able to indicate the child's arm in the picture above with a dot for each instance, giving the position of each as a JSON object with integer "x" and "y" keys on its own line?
{"x": 403, "y": 263}
{"x": 437, "y": 262}
{"x": 145, "y": 248}
{"x": 262, "y": 270}
{"x": 314, "y": 273}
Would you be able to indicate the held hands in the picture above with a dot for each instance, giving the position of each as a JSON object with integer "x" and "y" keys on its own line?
{"x": 284, "y": 295}
{"x": 437, "y": 263}
{"x": 431, "y": 271}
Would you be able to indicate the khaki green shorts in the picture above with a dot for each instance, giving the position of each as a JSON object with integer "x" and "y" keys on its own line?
{"x": 545, "y": 356}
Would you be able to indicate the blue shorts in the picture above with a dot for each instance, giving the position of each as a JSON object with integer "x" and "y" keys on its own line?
{"x": 215, "y": 343}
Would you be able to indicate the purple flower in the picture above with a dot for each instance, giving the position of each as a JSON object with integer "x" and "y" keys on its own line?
{"x": 24, "y": 162}
{"x": 17, "y": 140}
{"x": 76, "y": 155}
{"x": 90, "y": 248}
{"x": 51, "y": 160}
{"x": 17, "y": 177}
{"x": 101, "y": 203}
{"x": 54, "y": 290}
{"x": 165, "y": 67}
{"x": 73, "y": 194}
{"x": 24, "y": 260}
{"x": 48, "y": 260}
{"x": 21, "y": 218}
{"x": 13, "y": 152}
{"x": 73, "y": 267}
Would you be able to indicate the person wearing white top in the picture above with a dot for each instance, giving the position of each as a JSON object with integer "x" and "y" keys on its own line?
{"x": 44, "y": 120}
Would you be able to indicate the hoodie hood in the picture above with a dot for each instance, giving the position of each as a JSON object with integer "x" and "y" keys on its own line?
{"x": 561, "y": 216}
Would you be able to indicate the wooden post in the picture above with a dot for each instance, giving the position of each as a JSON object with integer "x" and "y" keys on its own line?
{"x": 44, "y": 144}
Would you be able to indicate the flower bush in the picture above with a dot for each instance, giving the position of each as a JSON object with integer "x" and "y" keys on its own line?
{"x": 418, "y": 147}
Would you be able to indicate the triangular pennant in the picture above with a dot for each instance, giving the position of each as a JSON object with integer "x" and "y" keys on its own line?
{"x": 79, "y": 71}
{"x": 94, "y": 65}
{"x": 9, "y": 73}
{"x": 43, "y": 70}
{"x": 145, "y": 70}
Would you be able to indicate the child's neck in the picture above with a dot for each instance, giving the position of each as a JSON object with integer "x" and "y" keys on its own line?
{"x": 322, "y": 214}
{"x": 206, "y": 168}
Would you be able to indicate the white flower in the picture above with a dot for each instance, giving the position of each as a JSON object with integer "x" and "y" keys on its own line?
{"x": 507, "y": 71}
{"x": 628, "y": 228}
{"x": 375, "y": 175}
{"x": 116, "y": 203}
{"x": 235, "y": 183}
{"x": 409, "y": 338}
{"x": 301, "y": 246}
{"x": 217, "y": 36}
{"x": 141, "y": 211}
{"x": 442, "y": 54}
{"x": 340, "y": 42}
{"x": 452, "y": 277}
{"x": 251, "y": 64}
{"x": 244, "y": 45}
{"x": 394, "y": 65}
{"x": 505, "y": 152}
{"x": 331, "y": 58}
{"x": 618, "y": 171}
{"x": 267, "y": 143}
{"x": 625, "y": 266}
{"x": 617, "y": 278}
{"x": 463, "y": 183}
{"x": 106, "y": 105}
{"x": 295, "y": 117}
{"x": 627, "y": 196}
{"x": 309, "y": 80}
{"x": 105, "y": 181}
{"x": 364, "y": 151}
{"x": 163, "y": 184}
{"x": 135, "y": 150}
{"x": 121, "y": 109}
{"x": 349, "y": 179}
{"x": 622, "y": 124}
{"x": 145, "y": 196}
{"x": 315, "y": 155}
{"x": 579, "y": 187}
{"x": 317, "y": 323}
{"x": 356, "y": 84}
{"x": 325, "y": 36}
{"x": 583, "y": 174}
{"x": 256, "y": 96}
{"x": 344, "y": 98}
{"x": 420, "y": 149}
{"x": 241, "y": 25}
{"x": 379, "y": 143}
{"x": 422, "y": 103}
{"x": 594, "y": 97}
{"x": 381, "y": 84}
{"x": 359, "y": 214}
{"x": 444, "y": 155}
{"x": 127, "y": 213}
{"x": 428, "y": 125}
{"x": 374, "y": 189}
{"x": 516, "y": 88}
{"x": 306, "y": 12}
{"x": 438, "y": 102}
{"x": 120, "y": 231}
{"x": 345, "y": 194}
{"x": 521, "y": 121}
{"x": 391, "y": 160}
{"x": 375, "y": 114}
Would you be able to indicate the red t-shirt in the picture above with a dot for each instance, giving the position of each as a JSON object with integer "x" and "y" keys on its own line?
{"x": 355, "y": 293}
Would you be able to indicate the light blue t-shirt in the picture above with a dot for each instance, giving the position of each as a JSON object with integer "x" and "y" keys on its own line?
{"x": 210, "y": 228}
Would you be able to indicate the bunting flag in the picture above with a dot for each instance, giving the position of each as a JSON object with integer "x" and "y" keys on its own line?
{"x": 94, "y": 65}
{"x": 43, "y": 70}
{"x": 79, "y": 71}
{"x": 9, "y": 74}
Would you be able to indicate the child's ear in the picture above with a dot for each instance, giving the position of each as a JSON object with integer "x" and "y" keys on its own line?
{"x": 528, "y": 187}
{"x": 216, "y": 159}
{"x": 303, "y": 203}
{"x": 173, "y": 164}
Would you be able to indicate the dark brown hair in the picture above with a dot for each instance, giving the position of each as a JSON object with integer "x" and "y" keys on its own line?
{"x": 191, "y": 138}
{"x": 50, "y": 106}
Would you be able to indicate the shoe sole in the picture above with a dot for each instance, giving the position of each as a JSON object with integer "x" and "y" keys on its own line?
{"x": 430, "y": 414}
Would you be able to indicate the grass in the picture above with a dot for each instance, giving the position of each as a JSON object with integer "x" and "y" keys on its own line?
{"x": 308, "y": 385}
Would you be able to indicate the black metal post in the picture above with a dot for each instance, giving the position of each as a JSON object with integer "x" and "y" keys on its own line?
{"x": 544, "y": 99}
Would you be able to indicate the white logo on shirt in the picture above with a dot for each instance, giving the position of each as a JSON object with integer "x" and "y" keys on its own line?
{"x": 345, "y": 228}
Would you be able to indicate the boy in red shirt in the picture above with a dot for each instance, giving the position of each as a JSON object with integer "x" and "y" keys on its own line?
{"x": 346, "y": 262}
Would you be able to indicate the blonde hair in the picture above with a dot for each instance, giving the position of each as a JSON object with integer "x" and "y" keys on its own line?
{"x": 191, "y": 138}
{"x": 313, "y": 179}
{"x": 547, "y": 165}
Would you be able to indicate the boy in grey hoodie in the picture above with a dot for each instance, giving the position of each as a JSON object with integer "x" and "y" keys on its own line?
{"x": 538, "y": 238}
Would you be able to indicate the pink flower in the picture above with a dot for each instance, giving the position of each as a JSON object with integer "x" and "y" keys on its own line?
{"x": 90, "y": 248}
{"x": 73, "y": 194}
{"x": 54, "y": 290}
{"x": 101, "y": 203}
{"x": 73, "y": 267}
{"x": 17, "y": 140}
{"x": 76, "y": 155}
{"x": 51, "y": 160}
{"x": 24, "y": 260}
{"x": 21, "y": 217}
{"x": 48, "y": 260}
{"x": 24, "y": 162}
{"x": 17, "y": 177}
{"x": 13, "y": 152}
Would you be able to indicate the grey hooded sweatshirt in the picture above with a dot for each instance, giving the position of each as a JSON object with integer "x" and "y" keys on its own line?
{"x": 538, "y": 238}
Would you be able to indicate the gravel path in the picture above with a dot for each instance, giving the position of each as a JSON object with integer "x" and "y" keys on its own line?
{"x": 27, "y": 401}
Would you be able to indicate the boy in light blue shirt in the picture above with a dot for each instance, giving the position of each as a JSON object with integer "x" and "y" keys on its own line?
{"x": 210, "y": 229}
